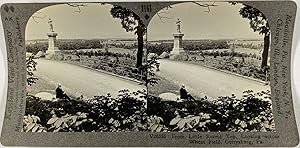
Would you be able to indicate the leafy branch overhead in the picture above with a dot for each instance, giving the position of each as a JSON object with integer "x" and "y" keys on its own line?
{"x": 163, "y": 13}
{"x": 131, "y": 22}
{"x": 206, "y": 5}
{"x": 77, "y": 5}
{"x": 38, "y": 15}
{"x": 129, "y": 19}
{"x": 259, "y": 23}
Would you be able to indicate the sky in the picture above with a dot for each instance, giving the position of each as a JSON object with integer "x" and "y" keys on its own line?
{"x": 95, "y": 22}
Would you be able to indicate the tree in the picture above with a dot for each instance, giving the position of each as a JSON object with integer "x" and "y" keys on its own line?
{"x": 131, "y": 22}
{"x": 259, "y": 23}
{"x": 149, "y": 74}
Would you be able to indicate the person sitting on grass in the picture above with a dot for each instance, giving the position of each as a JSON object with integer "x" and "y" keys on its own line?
{"x": 185, "y": 95}
{"x": 60, "y": 94}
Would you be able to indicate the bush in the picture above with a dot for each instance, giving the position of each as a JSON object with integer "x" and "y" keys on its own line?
{"x": 253, "y": 112}
{"x": 30, "y": 68}
{"x": 102, "y": 113}
{"x": 31, "y": 124}
{"x": 34, "y": 48}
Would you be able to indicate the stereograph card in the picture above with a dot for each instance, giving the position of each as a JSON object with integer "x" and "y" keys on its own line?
{"x": 163, "y": 73}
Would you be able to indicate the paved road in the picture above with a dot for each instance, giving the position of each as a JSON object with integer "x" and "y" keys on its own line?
{"x": 77, "y": 80}
{"x": 202, "y": 81}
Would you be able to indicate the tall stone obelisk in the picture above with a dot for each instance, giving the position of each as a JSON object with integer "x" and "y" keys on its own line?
{"x": 177, "y": 48}
{"x": 52, "y": 48}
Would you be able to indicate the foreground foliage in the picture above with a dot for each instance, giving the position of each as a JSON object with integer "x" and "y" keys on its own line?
{"x": 30, "y": 68}
{"x": 128, "y": 112}
{"x": 100, "y": 114}
{"x": 253, "y": 112}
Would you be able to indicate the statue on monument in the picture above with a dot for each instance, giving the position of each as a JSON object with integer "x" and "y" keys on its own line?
{"x": 177, "y": 46}
{"x": 51, "y": 25}
{"x": 53, "y": 50}
{"x": 178, "y": 25}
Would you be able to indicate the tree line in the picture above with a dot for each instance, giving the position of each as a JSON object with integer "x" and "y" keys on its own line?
{"x": 76, "y": 45}
{"x": 189, "y": 46}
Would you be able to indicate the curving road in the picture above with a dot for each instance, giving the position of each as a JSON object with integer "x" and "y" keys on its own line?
{"x": 202, "y": 81}
{"x": 198, "y": 80}
{"x": 76, "y": 80}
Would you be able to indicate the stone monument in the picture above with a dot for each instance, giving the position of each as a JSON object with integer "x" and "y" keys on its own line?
{"x": 52, "y": 49}
{"x": 177, "y": 48}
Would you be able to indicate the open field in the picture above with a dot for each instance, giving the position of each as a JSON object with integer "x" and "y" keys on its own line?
{"x": 247, "y": 42}
{"x": 113, "y": 50}
{"x": 238, "y": 50}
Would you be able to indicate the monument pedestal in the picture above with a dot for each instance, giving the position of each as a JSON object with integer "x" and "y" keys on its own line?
{"x": 53, "y": 51}
{"x": 178, "y": 52}
{"x": 177, "y": 48}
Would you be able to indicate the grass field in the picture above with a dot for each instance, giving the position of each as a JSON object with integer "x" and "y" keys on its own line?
{"x": 238, "y": 50}
{"x": 41, "y": 85}
{"x": 252, "y": 42}
{"x": 164, "y": 86}
{"x": 114, "y": 50}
